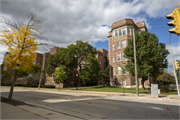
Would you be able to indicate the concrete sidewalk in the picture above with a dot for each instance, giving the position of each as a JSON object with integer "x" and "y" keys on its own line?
{"x": 126, "y": 95}
{"x": 29, "y": 112}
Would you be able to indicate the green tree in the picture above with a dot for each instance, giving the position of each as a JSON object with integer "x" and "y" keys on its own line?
{"x": 62, "y": 57}
{"x": 81, "y": 51}
{"x": 35, "y": 70}
{"x": 61, "y": 75}
{"x": 151, "y": 56}
{"x": 90, "y": 69}
{"x": 105, "y": 75}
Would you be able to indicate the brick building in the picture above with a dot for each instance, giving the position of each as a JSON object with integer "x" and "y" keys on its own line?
{"x": 121, "y": 32}
{"x": 103, "y": 61}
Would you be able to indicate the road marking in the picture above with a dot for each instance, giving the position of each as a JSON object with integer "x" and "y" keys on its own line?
{"x": 157, "y": 108}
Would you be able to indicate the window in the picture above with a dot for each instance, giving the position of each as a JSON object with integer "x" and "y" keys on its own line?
{"x": 39, "y": 58}
{"x": 133, "y": 82}
{"x": 52, "y": 82}
{"x": 125, "y": 72}
{"x": 123, "y": 43}
{"x": 113, "y": 58}
{"x": 129, "y": 31}
{"x": 118, "y": 57}
{"x": 113, "y": 35}
{"x": 113, "y": 46}
{"x": 118, "y": 45}
{"x": 124, "y": 57}
{"x": 116, "y": 33}
{"x": 114, "y": 71}
{"x": 120, "y": 34}
{"x": 99, "y": 57}
{"x": 124, "y": 31}
{"x": 119, "y": 71}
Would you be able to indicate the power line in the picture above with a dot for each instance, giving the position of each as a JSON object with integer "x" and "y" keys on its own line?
{"x": 145, "y": 11}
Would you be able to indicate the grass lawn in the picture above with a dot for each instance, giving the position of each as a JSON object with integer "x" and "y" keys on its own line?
{"x": 119, "y": 90}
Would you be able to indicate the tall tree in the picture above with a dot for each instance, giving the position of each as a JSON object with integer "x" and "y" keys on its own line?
{"x": 22, "y": 44}
{"x": 151, "y": 56}
{"x": 81, "y": 51}
{"x": 90, "y": 70}
{"x": 105, "y": 75}
{"x": 62, "y": 57}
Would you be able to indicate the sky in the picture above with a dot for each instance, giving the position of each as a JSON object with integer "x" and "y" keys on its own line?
{"x": 65, "y": 21}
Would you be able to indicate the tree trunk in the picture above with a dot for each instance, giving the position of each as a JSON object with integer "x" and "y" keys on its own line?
{"x": 59, "y": 86}
{"x": 12, "y": 86}
{"x": 142, "y": 83}
{"x": 77, "y": 83}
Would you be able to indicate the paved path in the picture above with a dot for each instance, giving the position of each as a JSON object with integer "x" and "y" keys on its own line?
{"x": 93, "y": 106}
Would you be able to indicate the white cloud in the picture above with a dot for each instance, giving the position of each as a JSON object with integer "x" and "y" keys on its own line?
{"x": 65, "y": 21}
{"x": 176, "y": 55}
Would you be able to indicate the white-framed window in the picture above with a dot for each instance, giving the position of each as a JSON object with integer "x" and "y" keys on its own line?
{"x": 113, "y": 46}
{"x": 120, "y": 34}
{"x": 113, "y": 58}
{"x": 118, "y": 57}
{"x": 129, "y": 31}
{"x": 119, "y": 71}
{"x": 118, "y": 45}
{"x": 113, "y": 34}
{"x": 123, "y": 43}
{"x": 116, "y": 33}
{"x": 114, "y": 70}
{"x": 123, "y": 31}
{"x": 124, "y": 57}
{"x": 133, "y": 82}
{"x": 125, "y": 72}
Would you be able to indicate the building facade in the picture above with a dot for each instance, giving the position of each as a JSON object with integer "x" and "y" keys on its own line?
{"x": 121, "y": 32}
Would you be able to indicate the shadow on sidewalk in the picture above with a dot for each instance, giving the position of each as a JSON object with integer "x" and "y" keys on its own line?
{"x": 13, "y": 102}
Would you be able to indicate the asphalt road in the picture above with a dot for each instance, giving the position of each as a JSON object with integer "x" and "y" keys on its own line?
{"x": 97, "y": 107}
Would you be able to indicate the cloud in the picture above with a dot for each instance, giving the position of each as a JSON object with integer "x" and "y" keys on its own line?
{"x": 176, "y": 56}
{"x": 65, "y": 21}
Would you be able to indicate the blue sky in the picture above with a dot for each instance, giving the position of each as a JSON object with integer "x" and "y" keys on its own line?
{"x": 65, "y": 21}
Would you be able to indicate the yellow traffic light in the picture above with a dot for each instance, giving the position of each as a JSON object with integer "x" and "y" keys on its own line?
{"x": 173, "y": 72}
{"x": 176, "y": 21}
{"x": 177, "y": 65}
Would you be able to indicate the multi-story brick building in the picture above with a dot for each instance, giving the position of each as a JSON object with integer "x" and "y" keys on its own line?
{"x": 121, "y": 32}
{"x": 103, "y": 61}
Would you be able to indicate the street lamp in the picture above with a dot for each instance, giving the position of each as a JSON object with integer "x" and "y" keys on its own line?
{"x": 77, "y": 81}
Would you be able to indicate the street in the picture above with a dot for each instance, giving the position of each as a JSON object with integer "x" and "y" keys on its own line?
{"x": 96, "y": 107}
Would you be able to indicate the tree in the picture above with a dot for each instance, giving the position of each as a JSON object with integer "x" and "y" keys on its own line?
{"x": 62, "y": 57}
{"x": 165, "y": 77}
{"x": 22, "y": 41}
{"x": 123, "y": 74}
{"x": 105, "y": 75}
{"x": 61, "y": 75}
{"x": 81, "y": 51}
{"x": 151, "y": 56}
{"x": 90, "y": 69}
{"x": 35, "y": 70}
{"x": 7, "y": 76}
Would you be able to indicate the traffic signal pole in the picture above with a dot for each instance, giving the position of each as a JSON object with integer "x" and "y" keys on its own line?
{"x": 174, "y": 66}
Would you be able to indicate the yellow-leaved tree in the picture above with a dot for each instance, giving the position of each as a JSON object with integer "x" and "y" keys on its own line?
{"x": 22, "y": 41}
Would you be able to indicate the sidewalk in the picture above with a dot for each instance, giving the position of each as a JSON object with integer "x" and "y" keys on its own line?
{"x": 26, "y": 111}
{"x": 141, "y": 96}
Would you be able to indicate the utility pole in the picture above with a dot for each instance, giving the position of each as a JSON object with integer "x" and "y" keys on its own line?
{"x": 136, "y": 76}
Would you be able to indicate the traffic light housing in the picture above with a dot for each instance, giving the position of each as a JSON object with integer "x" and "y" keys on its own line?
{"x": 177, "y": 65}
{"x": 176, "y": 21}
